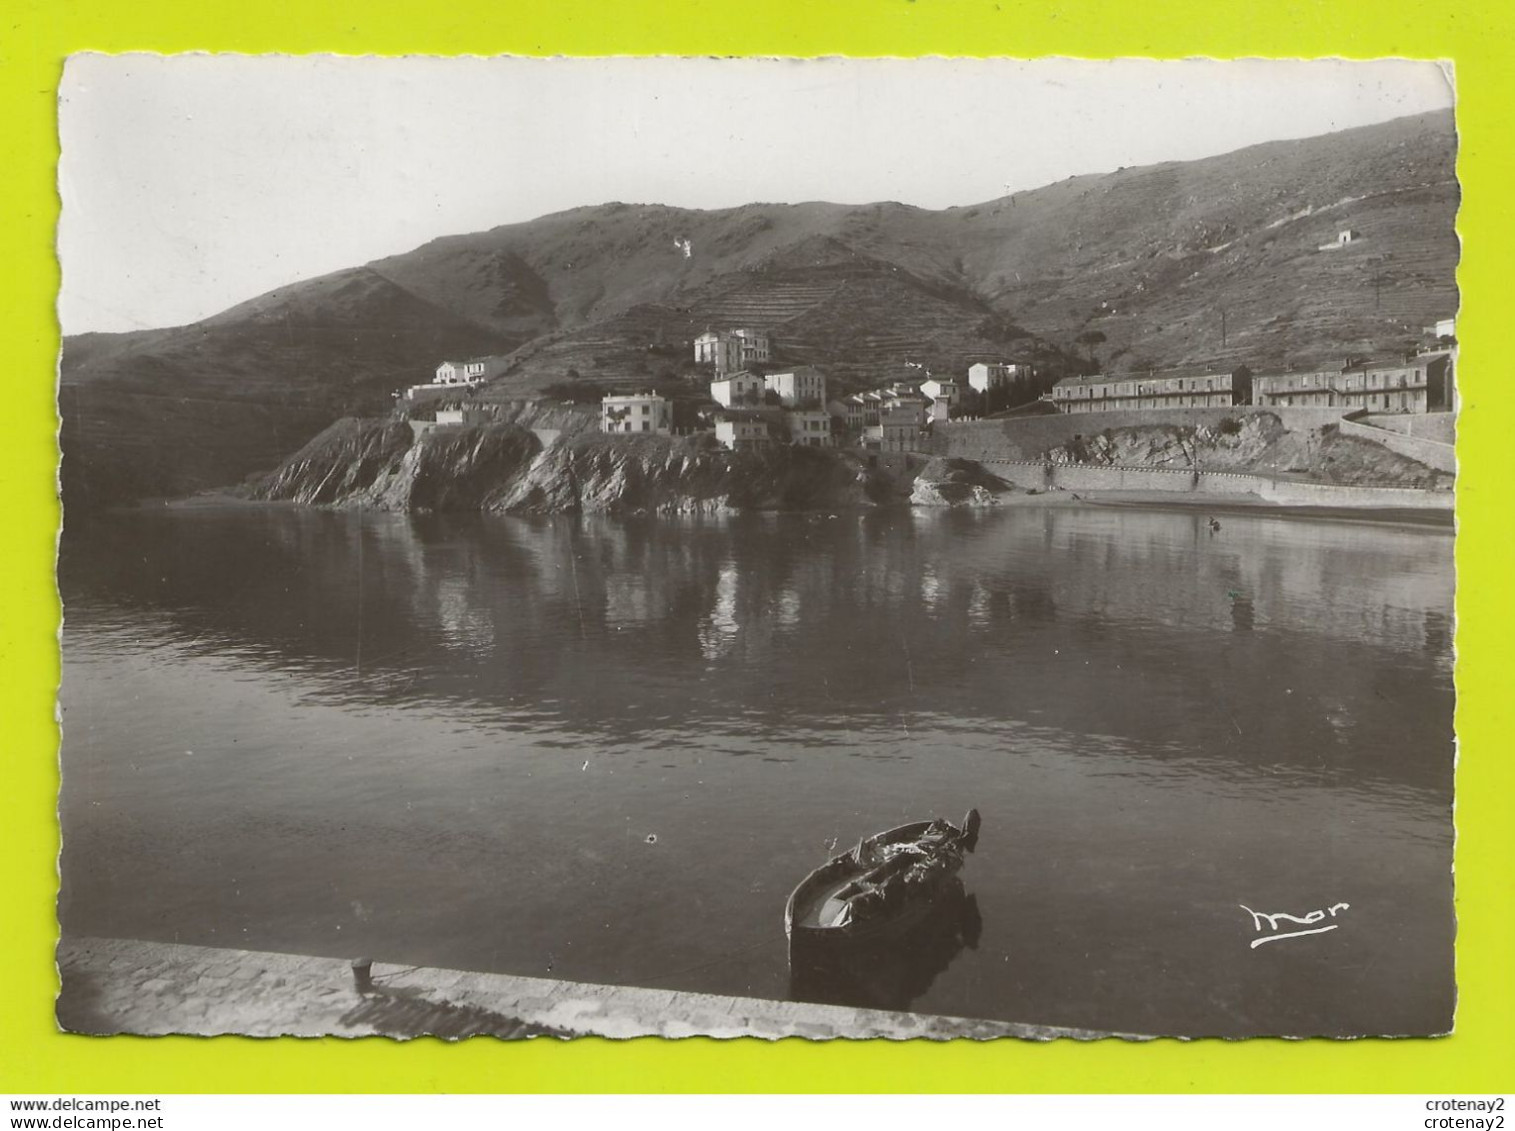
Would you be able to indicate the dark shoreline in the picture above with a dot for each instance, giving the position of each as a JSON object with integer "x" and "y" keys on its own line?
{"x": 1138, "y": 500}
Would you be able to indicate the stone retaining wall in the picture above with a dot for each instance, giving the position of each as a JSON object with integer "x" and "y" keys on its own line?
{"x": 1439, "y": 426}
{"x": 1432, "y": 453}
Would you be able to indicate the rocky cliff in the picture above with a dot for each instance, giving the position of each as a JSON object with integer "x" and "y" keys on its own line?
{"x": 504, "y": 467}
{"x": 538, "y": 459}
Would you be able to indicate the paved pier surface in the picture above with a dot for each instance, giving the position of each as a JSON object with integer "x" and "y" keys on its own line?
{"x": 150, "y": 988}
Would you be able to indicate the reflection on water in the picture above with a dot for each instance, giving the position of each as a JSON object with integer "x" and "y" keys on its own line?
{"x": 891, "y": 973}
{"x": 447, "y": 740}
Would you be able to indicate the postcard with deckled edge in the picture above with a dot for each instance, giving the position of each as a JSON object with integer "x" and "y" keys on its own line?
{"x": 845, "y": 549}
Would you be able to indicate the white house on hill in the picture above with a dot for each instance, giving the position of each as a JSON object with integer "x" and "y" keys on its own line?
{"x": 743, "y": 431}
{"x": 809, "y": 427}
{"x": 804, "y": 385}
{"x": 636, "y": 413}
{"x": 470, "y": 370}
{"x": 737, "y": 390}
{"x": 938, "y": 390}
{"x": 898, "y": 428}
{"x": 732, "y": 350}
{"x": 984, "y": 376}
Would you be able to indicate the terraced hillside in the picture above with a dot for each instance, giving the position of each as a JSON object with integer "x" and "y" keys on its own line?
{"x": 859, "y": 317}
{"x": 767, "y": 301}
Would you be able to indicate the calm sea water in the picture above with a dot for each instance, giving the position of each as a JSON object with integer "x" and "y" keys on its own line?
{"x": 606, "y": 750}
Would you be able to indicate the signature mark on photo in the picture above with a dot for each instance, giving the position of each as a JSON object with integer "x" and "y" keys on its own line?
{"x": 1308, "y": 921}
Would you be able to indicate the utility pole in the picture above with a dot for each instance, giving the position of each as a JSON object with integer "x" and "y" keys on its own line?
{"x": 1223, "y": 328}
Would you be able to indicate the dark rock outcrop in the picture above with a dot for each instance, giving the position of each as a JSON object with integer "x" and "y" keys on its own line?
{"x": 505, "y": 468}
{"x": 956, "y": 483}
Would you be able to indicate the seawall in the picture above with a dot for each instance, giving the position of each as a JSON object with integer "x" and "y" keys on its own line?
{"x": 1285, "y": 492}
{"x": 154, "y": 989}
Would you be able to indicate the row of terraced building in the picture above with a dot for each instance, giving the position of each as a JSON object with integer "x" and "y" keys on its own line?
{"x": 1421, "y": 382}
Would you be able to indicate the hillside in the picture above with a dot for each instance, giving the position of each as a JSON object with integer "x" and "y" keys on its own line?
{"x": 1147, "y": 266}
{"x": 167, "y": 412}
{"x": 858, "y": 316}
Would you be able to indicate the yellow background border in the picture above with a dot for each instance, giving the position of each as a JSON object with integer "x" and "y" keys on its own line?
{"x": 36, "y": 35}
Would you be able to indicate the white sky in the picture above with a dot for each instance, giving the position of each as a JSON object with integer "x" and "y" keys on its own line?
{"x": 192, "y": 182}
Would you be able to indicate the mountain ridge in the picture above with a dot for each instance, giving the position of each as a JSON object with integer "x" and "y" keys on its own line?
{"x": 1212, "y": 261}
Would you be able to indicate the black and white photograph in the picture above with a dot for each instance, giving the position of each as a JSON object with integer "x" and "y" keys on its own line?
{"x": 834, "y": 548}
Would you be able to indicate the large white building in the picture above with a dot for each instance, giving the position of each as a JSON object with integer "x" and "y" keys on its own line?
{"x": 636, "y": 413}
{"x": 935, "y": 389}
{"x": 742, "y": 432}
{"x": 984, "y": 376}
{"x": 732, "y": 350}
{"x": 898, "y": 428}
{"x": 1391, "y": 385}
{"x": 809, "y": 427}
{"x": 737, "y": 390}
{"x": 857, "y": 410}
{"x": 803, "y": 386}
{"x": 1196, "y": 388}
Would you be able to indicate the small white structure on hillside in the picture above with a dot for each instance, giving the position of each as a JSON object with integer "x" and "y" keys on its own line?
{"x": 636, "y": 413}
{"x": 1343, "y": 238}
{"x": 470, "y": 370}
{"x": 471, "y": 414}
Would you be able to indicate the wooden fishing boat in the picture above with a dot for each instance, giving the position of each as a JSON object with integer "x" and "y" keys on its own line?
{"x": 881, "y": 888}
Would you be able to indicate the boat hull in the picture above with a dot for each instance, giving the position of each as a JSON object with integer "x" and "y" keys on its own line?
{"x": 808, "y": 935}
